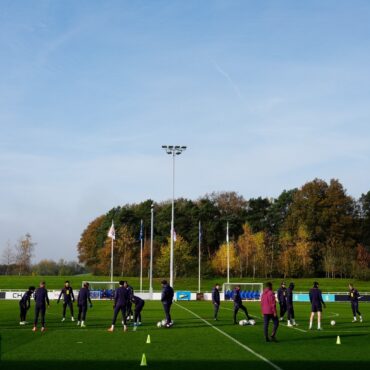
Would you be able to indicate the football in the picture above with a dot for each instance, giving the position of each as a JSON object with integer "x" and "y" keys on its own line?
{"x": 159, "y": 324}
{"x": 242, "y": 322}
{"x": 252, "y": 322}
{"x": 332, "y": 322}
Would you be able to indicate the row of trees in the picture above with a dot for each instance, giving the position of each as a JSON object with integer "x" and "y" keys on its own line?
{"x": 17, "y": 260}
{"x": 317, "y": 230}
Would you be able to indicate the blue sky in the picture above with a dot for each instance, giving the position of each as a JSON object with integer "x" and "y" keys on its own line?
{"x": 266, "y": 94}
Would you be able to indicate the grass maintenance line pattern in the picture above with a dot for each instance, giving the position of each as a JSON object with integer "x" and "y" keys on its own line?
{"x": 250, "y": 350}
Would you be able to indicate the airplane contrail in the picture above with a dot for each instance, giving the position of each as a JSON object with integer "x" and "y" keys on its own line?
{"x": 229, "y": 79}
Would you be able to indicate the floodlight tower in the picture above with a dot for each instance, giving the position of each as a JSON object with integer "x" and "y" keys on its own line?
{"x": 173, "y": 150}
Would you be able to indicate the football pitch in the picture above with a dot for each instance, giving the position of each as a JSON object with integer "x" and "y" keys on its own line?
{"x": 195, "y": 341}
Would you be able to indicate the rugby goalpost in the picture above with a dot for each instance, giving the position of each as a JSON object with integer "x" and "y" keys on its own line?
{"x": 248, "y": 291}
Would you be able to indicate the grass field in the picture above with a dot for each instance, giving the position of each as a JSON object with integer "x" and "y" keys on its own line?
{"x": 56, "y": 282}
{"x": 194, "y": 342}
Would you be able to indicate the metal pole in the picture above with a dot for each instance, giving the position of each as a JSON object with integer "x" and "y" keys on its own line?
{"x": 228, "y": 252}
{"x": 151, "y": 249}
{"x": 111, "y": 262}
{"x": 141, "y": 256}
{"x": 172, "y": 219}
{"x": 199, "y": 257}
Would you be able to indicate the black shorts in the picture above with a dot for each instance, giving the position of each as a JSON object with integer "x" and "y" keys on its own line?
{"x": 316, "y": 308}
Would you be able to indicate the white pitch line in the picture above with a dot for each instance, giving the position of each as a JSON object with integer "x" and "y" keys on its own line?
{"x": 232, "y": 339}
{"x": 280, "y": 323}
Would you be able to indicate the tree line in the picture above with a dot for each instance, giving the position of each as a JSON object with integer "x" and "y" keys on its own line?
{"x": 17, "y": 260}
{"x": 316, "y": 230}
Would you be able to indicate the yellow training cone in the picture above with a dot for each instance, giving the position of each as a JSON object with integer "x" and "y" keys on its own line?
{"x": 143, "y": 360}
{"x": 148, "y": 339}
{"x": 338, "y": 340}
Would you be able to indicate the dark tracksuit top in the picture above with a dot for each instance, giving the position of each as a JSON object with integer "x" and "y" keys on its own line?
{"x": 26, "y": 300}
{"x": 67, "y": 293}
{"x": 83, "y": 297}
{"x": 281, "y": 295}
{"x": 215, "y": 296}
{"x": 316, "y": 300}
{"x": 41, "y": 297}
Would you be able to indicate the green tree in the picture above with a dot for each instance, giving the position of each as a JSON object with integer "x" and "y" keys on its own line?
{"x": 184, "y": 263}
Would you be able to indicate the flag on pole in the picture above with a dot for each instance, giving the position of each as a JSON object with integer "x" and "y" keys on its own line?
{"x": 112, "y": 232}
{"x": 141, "y": 236}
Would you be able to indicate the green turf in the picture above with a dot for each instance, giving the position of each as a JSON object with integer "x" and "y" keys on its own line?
{"x": 191, "y": 344}
{"x": 56, "y": 282}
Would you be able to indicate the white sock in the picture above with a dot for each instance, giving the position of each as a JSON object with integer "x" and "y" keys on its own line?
{"x": 310, "y": 324}
{"x": 318, "y": 325}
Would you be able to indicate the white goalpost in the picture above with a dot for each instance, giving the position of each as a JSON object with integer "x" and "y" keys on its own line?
{"x": 248, "y": 291}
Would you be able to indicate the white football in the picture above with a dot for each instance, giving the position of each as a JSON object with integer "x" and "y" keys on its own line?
{"x": 242, "y": 322}
{"x": 252, "y": 322}
{"x": 164, "y": 322}
{"x": 159, "y": 324}
{"x": 332, "y": 322}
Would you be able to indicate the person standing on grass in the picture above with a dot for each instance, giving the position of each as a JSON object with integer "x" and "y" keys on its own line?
{"x": 216, "y": 300}
{"x": 316, "y": 305}
{"x": 289, "y": 305}
{"x": 268, "y": 306}
{"x": 281, "y": 295}
{"x": 238, "y": 304}
{"x": 68, "y": 299}
{"x": 82, "y": 299}
{"x": 121, "y": 298}
{"x": 166, "y": 299}
{"x": 354, "y": 295}
{"x": 130, "y": 291}
{"x": 25, "y": 304}
{"x": 42, "y": 299}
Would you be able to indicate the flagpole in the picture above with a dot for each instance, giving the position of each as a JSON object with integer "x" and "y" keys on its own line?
{"x": 141, "y": 256}
{"x": 111, "y": 262}
{"x": 199, "y": 260}
{"x": 151, "y": 250}
{"x": 228, "y": 252}
{"x": 112, "y": 236}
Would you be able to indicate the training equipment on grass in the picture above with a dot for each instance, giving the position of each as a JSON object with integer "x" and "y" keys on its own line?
{"x": 248, "y": 291}
{"x": 143, "y": 360}
{"x": 338, "y": 340}
{"x": 252, "y": 322}
{"x": 332, "y": 322}
{"x": 148, "y": 341}
{"x": 243, "y": 322}
{"x": 164, "y": 322}
{"x": 102, "y": 289}
{"x": 159, "y": 324}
